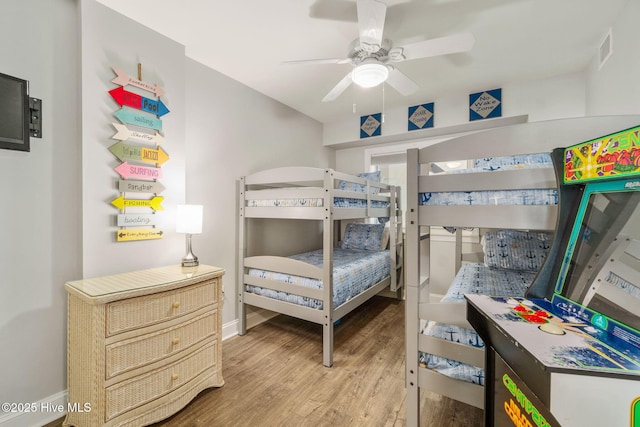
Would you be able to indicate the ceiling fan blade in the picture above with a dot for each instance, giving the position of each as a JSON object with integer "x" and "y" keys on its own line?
{"x": 338, "y": 89}
{"x": 318, "y": 61}
{"x": 400, "y": 82}
{"x": 462, "y": 42}
{"x": 371, "y": 15}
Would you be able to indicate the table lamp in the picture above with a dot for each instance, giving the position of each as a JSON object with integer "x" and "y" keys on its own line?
{"x": 189, "y": 222}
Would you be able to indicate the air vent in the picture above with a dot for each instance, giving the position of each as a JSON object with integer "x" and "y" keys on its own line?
{"x": 606, "y": 48}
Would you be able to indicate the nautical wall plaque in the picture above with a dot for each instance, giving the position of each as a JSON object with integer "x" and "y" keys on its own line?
{"x": 370, "y": 125}
{"x": 485, "y": 105}
{"x": 420, "y": 116}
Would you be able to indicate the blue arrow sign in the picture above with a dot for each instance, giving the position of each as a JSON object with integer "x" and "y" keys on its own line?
{"x": 131, "y": 117}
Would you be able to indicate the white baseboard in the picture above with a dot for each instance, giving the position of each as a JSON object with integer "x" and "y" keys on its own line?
{"x": 254, "y": 318}
{"x": 36, "y": 414}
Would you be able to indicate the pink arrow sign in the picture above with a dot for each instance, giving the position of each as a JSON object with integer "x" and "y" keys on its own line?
{"x": 124, "y": 79}
{"x": 127, "y": 170}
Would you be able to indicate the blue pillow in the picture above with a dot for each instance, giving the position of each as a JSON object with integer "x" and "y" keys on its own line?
{"x": 360, "y": 188}
{"x": 363, "y": 236}
{"x": 516, "y": 250}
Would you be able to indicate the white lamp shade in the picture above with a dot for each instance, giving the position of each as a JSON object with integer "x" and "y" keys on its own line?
{"x": 189, "y": 219}
{"x": 369, "y": 74}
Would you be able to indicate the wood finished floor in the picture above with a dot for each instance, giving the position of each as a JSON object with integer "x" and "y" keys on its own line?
{"x": 274, "y": 377}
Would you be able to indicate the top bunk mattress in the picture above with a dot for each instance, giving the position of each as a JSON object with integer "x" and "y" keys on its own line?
{"x": 524, "y": 196}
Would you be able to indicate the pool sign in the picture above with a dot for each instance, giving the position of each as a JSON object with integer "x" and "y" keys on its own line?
{"x": 130, "y": 99}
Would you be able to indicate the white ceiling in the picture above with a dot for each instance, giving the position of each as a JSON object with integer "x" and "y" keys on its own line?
{"x": 248, "y": 40}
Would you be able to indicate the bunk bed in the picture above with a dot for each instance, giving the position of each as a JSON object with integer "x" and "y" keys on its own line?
{"x": 510, "y": 193}
{"x": 359, "y": 258}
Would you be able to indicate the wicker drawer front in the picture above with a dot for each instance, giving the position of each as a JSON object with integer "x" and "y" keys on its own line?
{"x": 138, "y": 312}
{"x": 130, "y": 394}
{"x": 140, "y": 351}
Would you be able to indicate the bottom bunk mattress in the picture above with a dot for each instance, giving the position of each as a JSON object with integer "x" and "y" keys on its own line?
{"x": 473, "y": 278}
{"x": 354, "y": 271}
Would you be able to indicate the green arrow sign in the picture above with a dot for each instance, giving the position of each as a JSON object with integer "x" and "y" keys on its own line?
{"x": 133, "y": 152}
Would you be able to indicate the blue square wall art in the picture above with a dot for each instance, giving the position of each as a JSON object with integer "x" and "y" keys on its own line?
{"x": 420, "y": 116}
{"x": 370, "y": 125}
{"x": 485, "y": 105}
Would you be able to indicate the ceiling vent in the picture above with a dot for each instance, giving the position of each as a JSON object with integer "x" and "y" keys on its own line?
{"x": 606, "y": 48}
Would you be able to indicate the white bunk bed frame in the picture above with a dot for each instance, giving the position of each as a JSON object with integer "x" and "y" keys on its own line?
{"x": 525, "y": 138}
{"x": 312, "y": 183}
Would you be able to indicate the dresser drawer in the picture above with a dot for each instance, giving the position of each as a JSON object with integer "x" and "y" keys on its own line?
{"x": 145, "y": 349}
{"x": 137, "y": 391}
{"x": 143, "y": 311}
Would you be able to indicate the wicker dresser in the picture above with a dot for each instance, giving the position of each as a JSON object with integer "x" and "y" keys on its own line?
{"x": 142, "y": 345}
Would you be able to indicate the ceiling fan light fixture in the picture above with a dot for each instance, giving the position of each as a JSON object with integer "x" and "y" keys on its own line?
{"x": 369, "y": 74}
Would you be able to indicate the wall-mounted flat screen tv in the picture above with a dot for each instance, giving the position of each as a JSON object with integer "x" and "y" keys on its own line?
{"x": 14, "y": 113}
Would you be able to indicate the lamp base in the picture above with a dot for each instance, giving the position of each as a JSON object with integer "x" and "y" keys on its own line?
{"x": 189, "y": 260}
{"x": 190, "y": 263}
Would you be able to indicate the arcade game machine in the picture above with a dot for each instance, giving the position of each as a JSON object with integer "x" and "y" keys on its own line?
{"x": 568, "y": 353}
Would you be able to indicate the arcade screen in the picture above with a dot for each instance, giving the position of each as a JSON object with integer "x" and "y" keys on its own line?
{"x": 603, "y": 274}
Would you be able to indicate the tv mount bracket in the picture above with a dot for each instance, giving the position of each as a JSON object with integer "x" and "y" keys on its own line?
{"x": 35, "y": 117}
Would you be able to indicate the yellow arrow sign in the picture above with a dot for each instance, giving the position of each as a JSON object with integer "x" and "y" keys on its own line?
{"x": 129, "y": 235}
{"x": 154, "y": 203}
{"x": 158, "y": 156}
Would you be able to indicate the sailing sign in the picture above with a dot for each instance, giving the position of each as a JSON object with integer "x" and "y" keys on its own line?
{"x": 131, "y": 117}
{"x": 133, "y": 100}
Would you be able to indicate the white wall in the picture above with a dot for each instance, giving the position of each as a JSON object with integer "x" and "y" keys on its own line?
{"x": 40, "y": 248}
{"x": 615, "y": 88}
{"x": 59, "y": 224}
{"x": 111, "y": 40}
{"x": 232, "y": 131}
{"x": 544, "y": 99}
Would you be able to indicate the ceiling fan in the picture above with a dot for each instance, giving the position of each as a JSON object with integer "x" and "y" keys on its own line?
{"x": 372, "y": 56}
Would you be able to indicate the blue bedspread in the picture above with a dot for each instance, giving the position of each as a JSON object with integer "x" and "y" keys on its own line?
{"x": 354, "y": 271}
{"x": 473, "y": 278}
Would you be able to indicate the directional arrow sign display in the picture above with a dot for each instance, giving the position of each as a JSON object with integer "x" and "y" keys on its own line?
{"x": 124, "y": 133}
{"x": 124, "y": 79}
{"x": 134, "y": 171}
{"x": 134, "y": 100}
{"x": 133, "y": 152}
{"x": 131, "y": 117}
{"x": 133, "y": 186}
{"x": 154, "y": 203}
{"x": 131, "y": 220}
{"x": 138, "y": 234}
